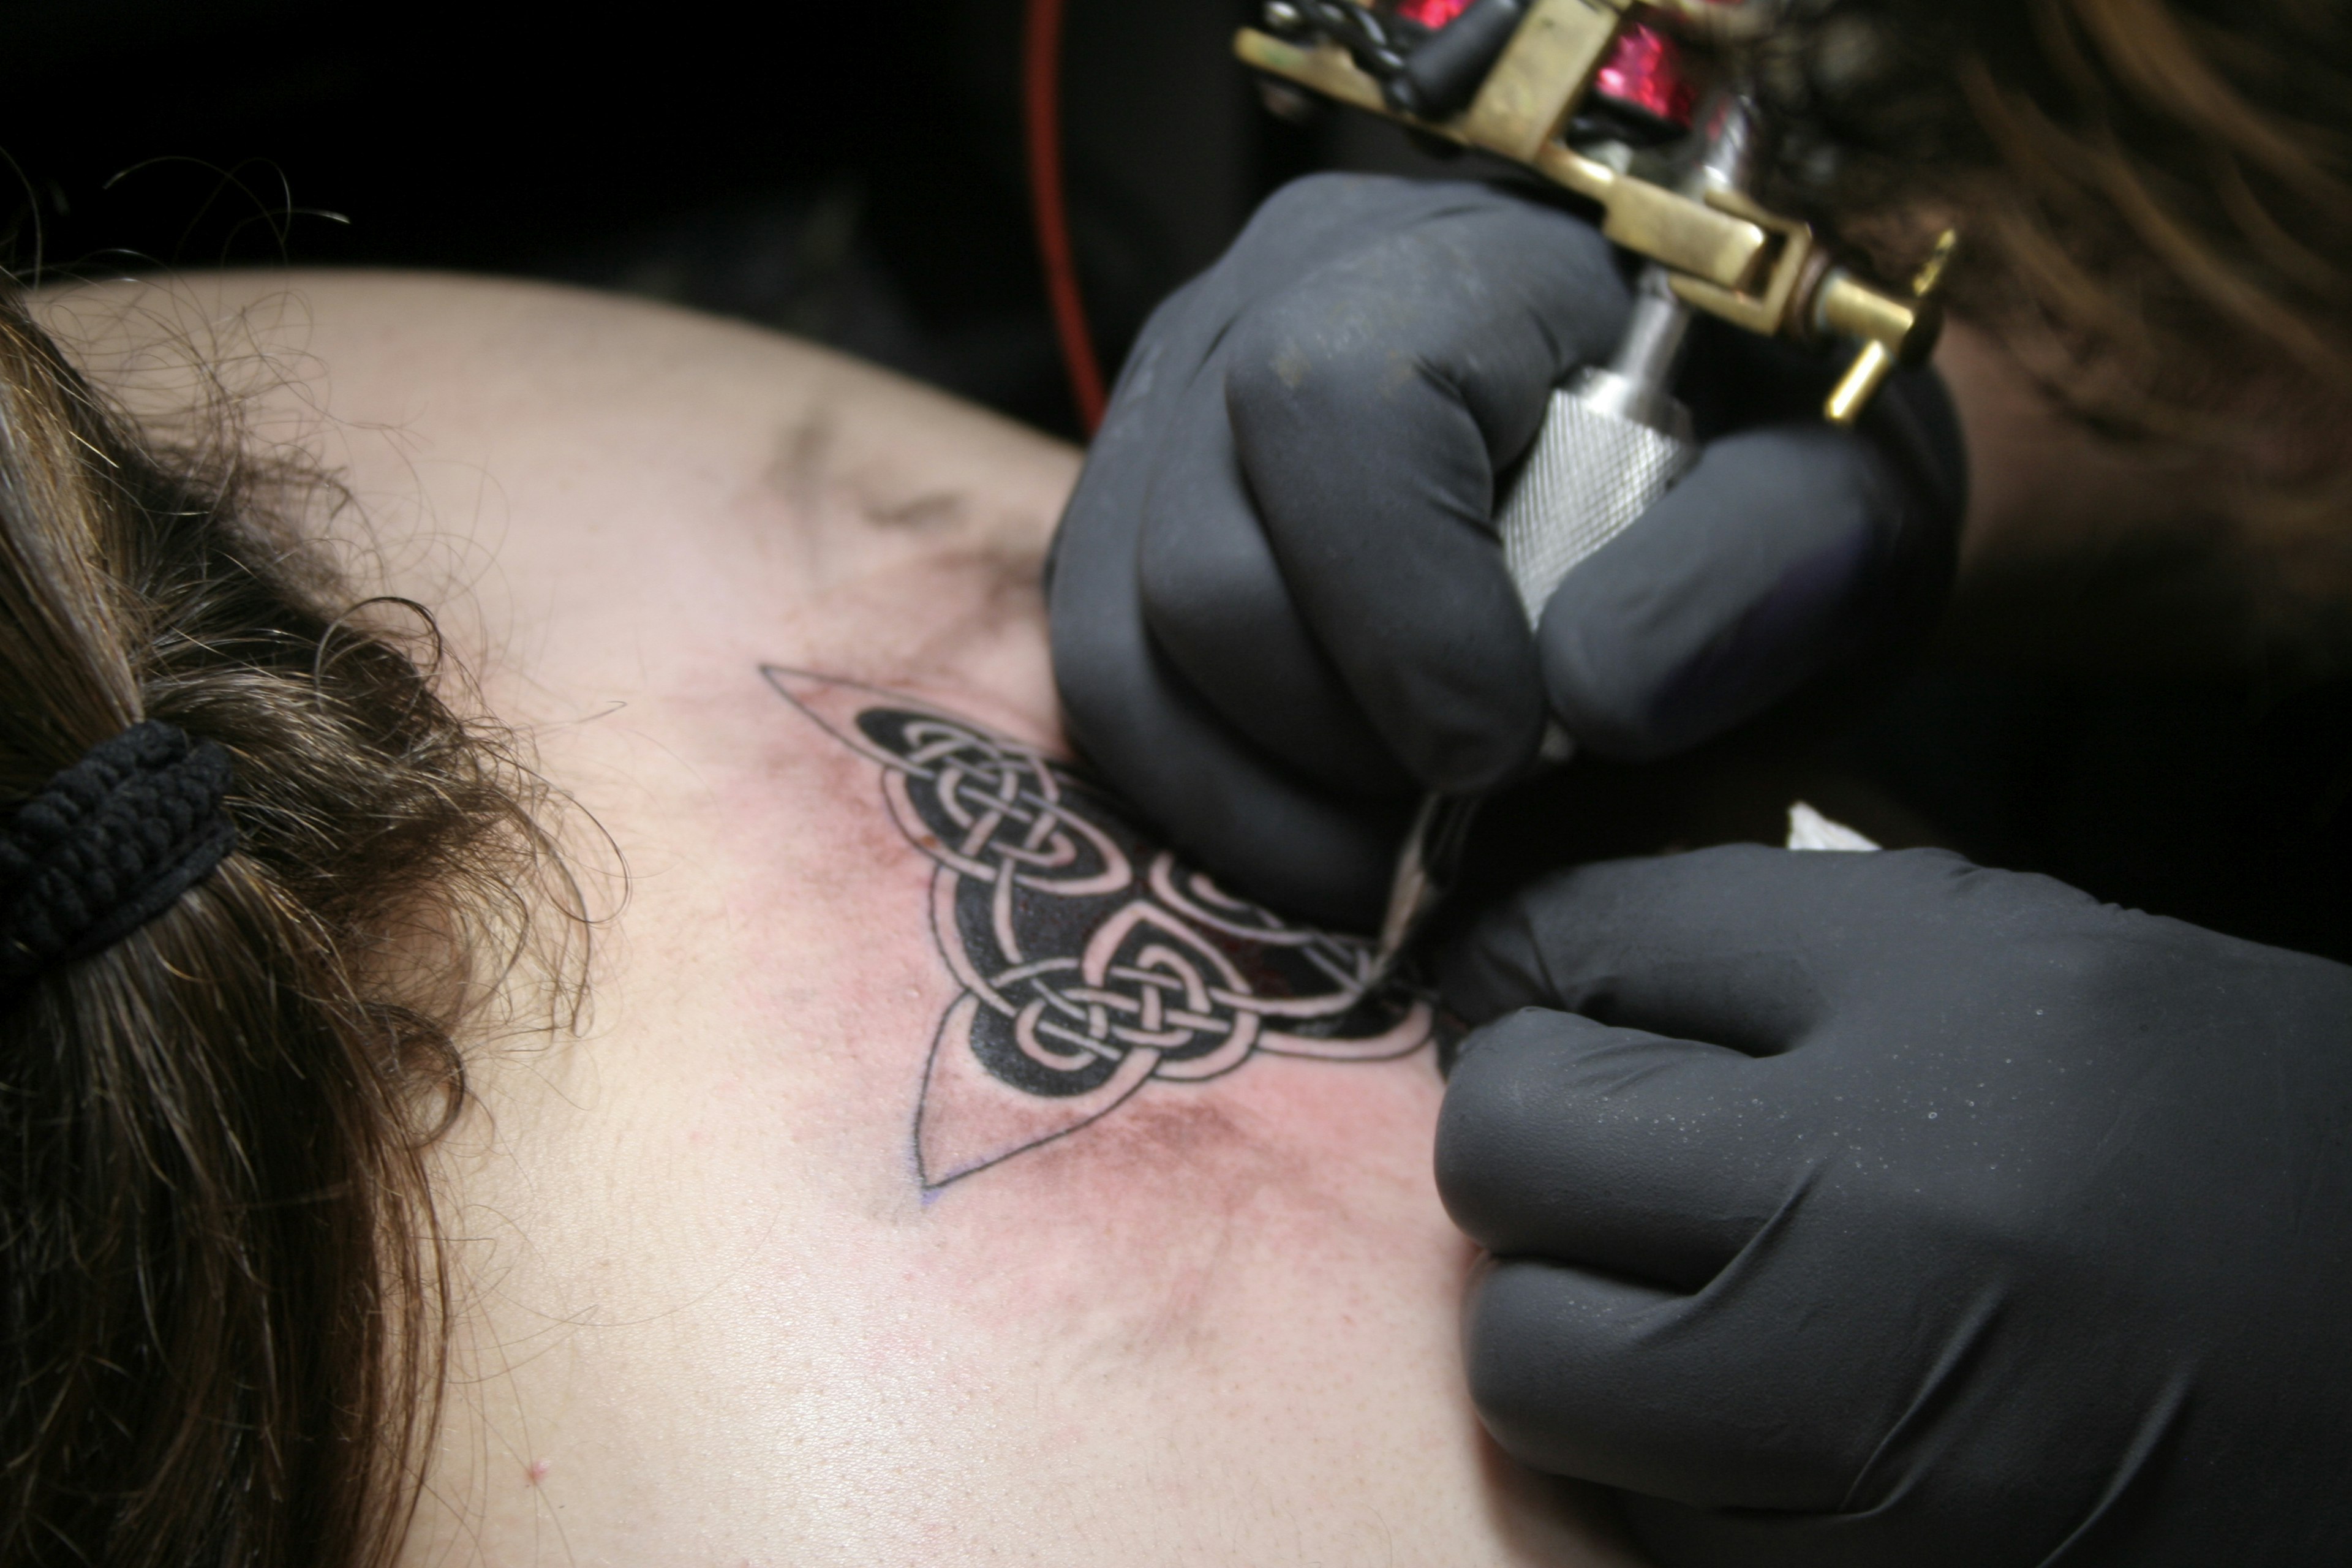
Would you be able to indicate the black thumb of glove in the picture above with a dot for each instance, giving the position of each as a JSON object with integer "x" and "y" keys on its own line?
{"x": 1791, "y": 548}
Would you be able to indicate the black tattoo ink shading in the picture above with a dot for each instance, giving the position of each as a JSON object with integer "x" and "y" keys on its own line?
{"x": 1093, "y": 962}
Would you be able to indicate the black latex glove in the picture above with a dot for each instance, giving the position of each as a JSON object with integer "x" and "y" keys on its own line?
{"x": 1879, "y": 1209}
{"x": 1278, "y": 610}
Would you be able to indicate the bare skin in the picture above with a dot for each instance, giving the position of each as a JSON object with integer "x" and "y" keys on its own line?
{"x": 707, "y": 1312}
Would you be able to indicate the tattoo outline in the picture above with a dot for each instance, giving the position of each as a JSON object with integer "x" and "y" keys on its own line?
{"x": 1092, "y": 963}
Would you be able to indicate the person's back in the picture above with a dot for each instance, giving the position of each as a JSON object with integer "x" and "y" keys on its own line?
{"x": 942, "y": 1174}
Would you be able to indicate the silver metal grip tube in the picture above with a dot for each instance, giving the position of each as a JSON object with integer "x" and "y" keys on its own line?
{"x": 1590, "y": 474}
{"x": 1614, "y": 441}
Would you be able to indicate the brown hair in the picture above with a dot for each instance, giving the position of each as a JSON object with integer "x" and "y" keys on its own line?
{"x": 222, "y": 1295}
{"x": 2155, "y": 196}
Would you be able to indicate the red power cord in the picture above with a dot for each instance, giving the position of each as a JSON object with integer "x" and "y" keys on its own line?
{"x": 1040, "y": 81}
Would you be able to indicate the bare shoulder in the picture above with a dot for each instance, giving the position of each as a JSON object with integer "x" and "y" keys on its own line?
{"x": 944, "y": 1172}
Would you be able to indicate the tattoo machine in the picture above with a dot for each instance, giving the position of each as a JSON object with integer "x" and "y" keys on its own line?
{"x": 1597, "y": 96}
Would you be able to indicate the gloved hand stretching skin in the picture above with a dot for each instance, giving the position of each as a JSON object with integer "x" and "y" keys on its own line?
{"x": 1876, "y": 1208}
{"x": 1279, "y": 612}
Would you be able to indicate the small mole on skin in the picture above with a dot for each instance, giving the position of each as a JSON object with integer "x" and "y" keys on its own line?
{"x": 536, "y": 1472}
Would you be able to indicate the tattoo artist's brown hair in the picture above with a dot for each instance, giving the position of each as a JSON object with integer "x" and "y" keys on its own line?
{"x": 2155, "y": 195}
{"x": 222, "y": 1302}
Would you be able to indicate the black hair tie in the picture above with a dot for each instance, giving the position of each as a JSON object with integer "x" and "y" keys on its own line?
{"x": 106, "y": 846}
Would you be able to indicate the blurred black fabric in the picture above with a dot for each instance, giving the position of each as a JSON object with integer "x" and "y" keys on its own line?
{"x": 855, "y": 174}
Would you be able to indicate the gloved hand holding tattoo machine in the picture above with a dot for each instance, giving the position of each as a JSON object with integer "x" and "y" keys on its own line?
{"x": 1275, "y": 639}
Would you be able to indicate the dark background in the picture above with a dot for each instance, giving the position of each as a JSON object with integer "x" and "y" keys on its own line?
{"x": 856, "y": 174}
{"x": 852, "y": 172}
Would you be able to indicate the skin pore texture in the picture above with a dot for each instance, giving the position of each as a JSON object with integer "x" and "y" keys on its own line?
{"x": 765, "y": 1262}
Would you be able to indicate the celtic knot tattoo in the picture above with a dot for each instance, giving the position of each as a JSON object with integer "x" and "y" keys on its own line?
{"x": 1092, "y": 963}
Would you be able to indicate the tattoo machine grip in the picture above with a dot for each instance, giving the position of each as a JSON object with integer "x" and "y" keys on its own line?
{"x": 1612, "y": 441}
